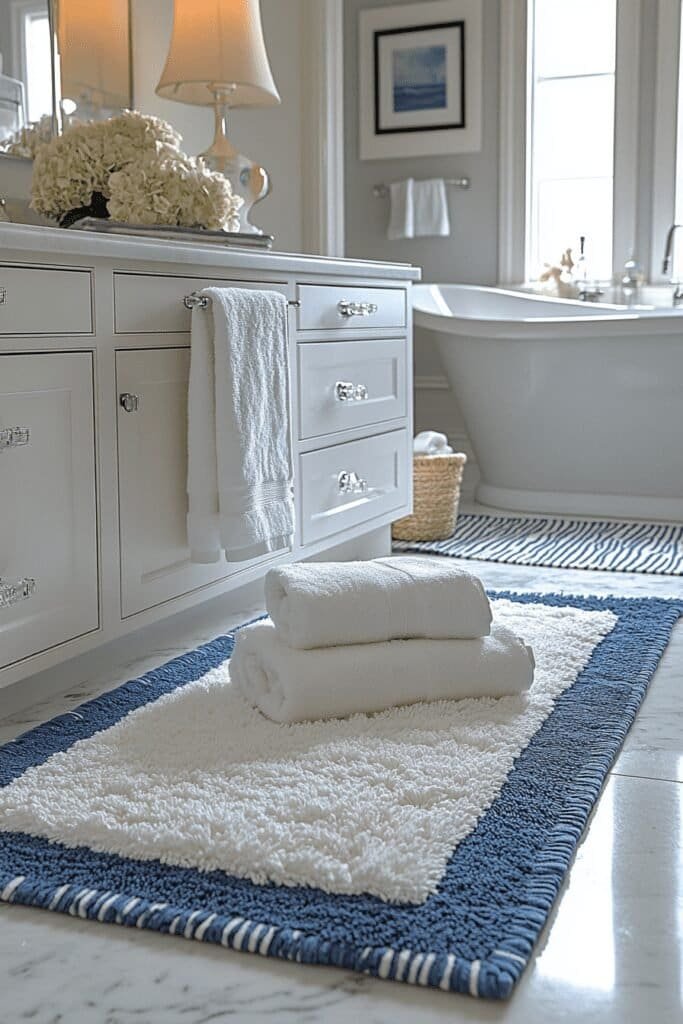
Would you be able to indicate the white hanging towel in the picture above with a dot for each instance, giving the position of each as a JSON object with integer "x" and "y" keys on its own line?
{"x": 239, "y": 480}
{"x": 430, "y": 203}
{"x": 401, "y": 210}
{"x": 290, "y": 685}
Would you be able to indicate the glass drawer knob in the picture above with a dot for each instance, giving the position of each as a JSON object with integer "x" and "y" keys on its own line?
{"x": 128, "y": 402}
{"x": 349, "y": 482}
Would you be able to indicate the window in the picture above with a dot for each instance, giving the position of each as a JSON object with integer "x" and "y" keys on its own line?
{"x": 32, "y": 57}
{"x": 38, "y": 64}
{"x": 571, "y": 55}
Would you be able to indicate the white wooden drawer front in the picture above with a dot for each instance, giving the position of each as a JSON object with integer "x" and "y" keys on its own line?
{"x": 322, "y": 308}
{"x": 47, "y": 488}
{"x": 153, "y": 304}
{"x": 375, "y": 481}
{"x": 34, "y": 301}
{"x": 350, "y": 384}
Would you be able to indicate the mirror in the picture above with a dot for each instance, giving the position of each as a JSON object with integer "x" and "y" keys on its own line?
{"x": 92, "y": 61}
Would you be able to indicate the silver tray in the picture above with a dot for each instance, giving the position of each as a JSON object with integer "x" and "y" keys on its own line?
{"x": 238, "y": 239}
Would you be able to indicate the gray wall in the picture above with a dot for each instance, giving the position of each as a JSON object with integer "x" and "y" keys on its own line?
{"x": 470, "y": 254}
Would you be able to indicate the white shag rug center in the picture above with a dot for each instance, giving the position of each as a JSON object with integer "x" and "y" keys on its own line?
{"x": 370, "y": 804}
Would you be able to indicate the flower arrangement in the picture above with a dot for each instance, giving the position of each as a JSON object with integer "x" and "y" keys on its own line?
{"x": 130, "y": 168}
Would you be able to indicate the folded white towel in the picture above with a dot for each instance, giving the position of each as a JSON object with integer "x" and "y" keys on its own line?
{"x": 295, "y": 686}
{"x": 239, "y": 478}
{"x": 401, "y": 210}
{"x": 322, "y": 604}
{"x": 430, "y": 208}
{"x": 430, "y": 442}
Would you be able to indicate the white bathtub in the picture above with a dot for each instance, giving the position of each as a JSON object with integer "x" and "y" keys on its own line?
{"x": 570, "y": 407}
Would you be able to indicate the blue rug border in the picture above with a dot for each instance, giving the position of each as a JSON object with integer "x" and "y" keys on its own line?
{"x": 577, "y": 526}
{"x": 493, "y": 975}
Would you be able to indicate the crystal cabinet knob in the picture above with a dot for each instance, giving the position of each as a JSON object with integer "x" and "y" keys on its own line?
{"x": 347, "y": 308}
{"x": 18, "y": 590}
{"x": 347, "y": 391}
{"x": 14, "y": 437}
{"x": 349, "y": 482}
{"x": 128, "y": 402}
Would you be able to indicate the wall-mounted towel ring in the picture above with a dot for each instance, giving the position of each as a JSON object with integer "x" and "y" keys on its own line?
{"x": 196, "y": 301}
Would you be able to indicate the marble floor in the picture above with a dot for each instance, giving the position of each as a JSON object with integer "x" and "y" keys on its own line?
{"x": 612, "y": 951}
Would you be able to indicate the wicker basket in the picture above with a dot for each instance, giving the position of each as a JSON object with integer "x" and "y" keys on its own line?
{"x": 436, "y": 493}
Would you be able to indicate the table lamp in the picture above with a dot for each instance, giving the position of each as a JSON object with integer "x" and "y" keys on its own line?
{"x": 218, "y": 58}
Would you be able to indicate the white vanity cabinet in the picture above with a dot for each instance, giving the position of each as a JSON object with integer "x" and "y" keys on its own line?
{"x": 94, "y": 366}
{"x": 48, "y": 538}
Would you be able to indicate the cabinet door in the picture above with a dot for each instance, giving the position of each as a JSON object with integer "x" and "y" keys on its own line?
{"x": 152, "y": 440}
{"x": 47, "y": 490}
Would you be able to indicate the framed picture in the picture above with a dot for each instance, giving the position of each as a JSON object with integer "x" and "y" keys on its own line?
{"x": 420, "y": 79}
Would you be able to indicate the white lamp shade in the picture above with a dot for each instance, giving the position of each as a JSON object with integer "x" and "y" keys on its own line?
{"x": 218, "y": 43}
{"x": 94, "y": 50}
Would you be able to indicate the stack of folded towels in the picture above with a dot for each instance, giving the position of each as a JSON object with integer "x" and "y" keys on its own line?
{"x": 348, "y": 637}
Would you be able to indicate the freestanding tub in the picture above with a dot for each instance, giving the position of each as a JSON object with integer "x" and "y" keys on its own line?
{"x": 570, "y": 407}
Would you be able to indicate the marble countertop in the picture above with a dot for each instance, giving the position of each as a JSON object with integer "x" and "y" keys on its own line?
{"x": 54, "y": 240}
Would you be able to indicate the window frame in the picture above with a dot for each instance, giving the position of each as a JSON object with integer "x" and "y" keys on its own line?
{"x": 20, "y": 10}
{"x": 663, "y": 199}
{"x": 514, "y": 177}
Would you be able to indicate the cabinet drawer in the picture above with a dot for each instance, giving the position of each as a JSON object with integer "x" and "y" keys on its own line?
{"x": 47, "y": 484}
{"x": 351, "y": 483}
{"x": 367, "y": 308}
{"x": 350, "y": 384}
{"x": 46, "y": 301}
{"x": 153, "y": 304}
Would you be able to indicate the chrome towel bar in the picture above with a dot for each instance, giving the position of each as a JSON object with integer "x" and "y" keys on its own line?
{"x": 383, "y": 190}
{"x": 196, "y": 301}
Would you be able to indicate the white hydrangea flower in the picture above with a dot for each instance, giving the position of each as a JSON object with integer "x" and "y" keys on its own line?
{"x": 72, "y": 166}
{"x": 173, "y": 189}
{"x": 135, "y": 162}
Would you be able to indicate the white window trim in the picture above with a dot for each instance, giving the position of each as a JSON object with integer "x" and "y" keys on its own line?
{"x": 513, "y": 175}
{"x": 666, "y": 130}
{"x": 626, "y": 126}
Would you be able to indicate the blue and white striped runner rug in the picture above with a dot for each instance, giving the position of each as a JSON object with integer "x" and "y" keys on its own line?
{"x": 563, "y": 543}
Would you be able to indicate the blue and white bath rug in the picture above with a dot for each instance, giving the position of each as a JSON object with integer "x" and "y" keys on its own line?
{"x": 610, "y": 545}
{"x": 424, "y": 844}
